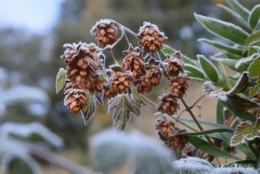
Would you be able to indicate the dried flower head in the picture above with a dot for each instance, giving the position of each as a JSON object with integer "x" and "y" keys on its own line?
{"x": 83, "y": 62}
{"x": 168, "y": 104}
{"x": 175, "y": 64}
{"x": 164, "y": 126}
{"x": 134, "y": 62}
{"x": 179, "y": 85}
{"x": 105, "y": 32}
{"x": 178, "y": 140}
{"x": 153, "y": 74}
{"x": 75, "y": 99}
{"x": 108, "y": 92}
{"x": 141, "y": 85}
{"x": 151, "y": 37}
{"x": 120, "y": 81}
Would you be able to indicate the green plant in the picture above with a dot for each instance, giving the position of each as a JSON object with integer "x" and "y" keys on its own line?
{"x": 87, "y": 80}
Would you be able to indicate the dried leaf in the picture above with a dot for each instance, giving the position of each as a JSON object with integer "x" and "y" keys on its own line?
{"x": 60, "y": 79}
{"x": 99, "y": 97}
{"x": 122, "y": 106}
{"x": 240, "y": 86}
{"x": 90, "y": 108}
{"x": 240, "y": 104}
{"x": 246, "y": 130}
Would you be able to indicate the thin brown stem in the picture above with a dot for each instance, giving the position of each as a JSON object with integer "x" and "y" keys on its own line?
{"x": 195, "y": 119}
{"x": 156, "y": 106}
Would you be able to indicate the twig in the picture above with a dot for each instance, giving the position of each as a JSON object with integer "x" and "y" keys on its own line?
{"x": 59, "y": 160}
{"x": 195, "y": 119}
{"x": 155, "y": 105}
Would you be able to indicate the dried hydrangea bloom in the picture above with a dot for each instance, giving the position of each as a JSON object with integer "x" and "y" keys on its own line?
{"x": 164, "y": 126}
{"x": 120, "y": 81}
{"x": 153, "y": 74}
{"x": 83, "y": 62}
{"x": 105, "y": 32}
{"x": 178, "y": 140}
{"x": 151, "y": 37}
{"x": 97, "y": 85}
{"x": 168, "y": 104}
{"x": 175, "y": 64}
{"x": 179, "y": 85}
{"x": 75, "y": 99}
{"x": 141, "y": 85}
{"x": 134, "y": 62}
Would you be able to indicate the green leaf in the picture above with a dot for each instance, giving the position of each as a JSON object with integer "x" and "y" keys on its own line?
{"x": 220, "y": 117}
{"x": 209, "y": 68}
{"x": 60, "y": 79}
{"x": 122, "y": 106}
{"x": 225, "y": 136}
{"x": 253, "y": 39}
{"x": 244, "y": 148}
{"x": 222, "y": 47}
{"x": 253, "y": 150}
{"x": 256, "y": 88}
{"x": 233, "y": 13}
{"x": 231, "y": 64}
{"x": 244, "y": 61}
{"x": 194, "y": 71}
{"x": 240, "y": 104}
{"x": 16, "y": 165}
{"x": 90, "y": 107}
{"x": 246, "y": 130}
{"x": 188, "y": 120}
{"x": 254, "y": 17}
{"x": 252, "y": 162}
{"x": 224, "y": 76}
{"x": 242, "y": 11}
{"x": 209, "y": 148}
{"x": 223, "y": 29}
{"x": 206, "y": 132}
{"x": 253, "y": 69}
{"x": 241, "y": 85}
{"x": 241, "y": 115}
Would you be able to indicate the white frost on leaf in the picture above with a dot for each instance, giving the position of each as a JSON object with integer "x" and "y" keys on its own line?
{"x": 26, "y": 130}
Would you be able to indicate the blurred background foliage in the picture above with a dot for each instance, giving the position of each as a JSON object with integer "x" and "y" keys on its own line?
{"x": 29, "y": 59}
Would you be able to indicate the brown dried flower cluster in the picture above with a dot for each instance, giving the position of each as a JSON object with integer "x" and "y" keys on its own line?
{"x": 175, "y": 64}
{"x": 151, "y": 37}
{"x": 173, "y": 137}
{"x": 178, "y": 83}
{"x": 105, "y": 32}
{"x": 75, "y": 98}
{"x": 151, "y": 77}
{"x": 168, "y": 104}
{"x": 119, "y": 81}
{"x": 134, "y": 62}
{"x": 82, "y": 63}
